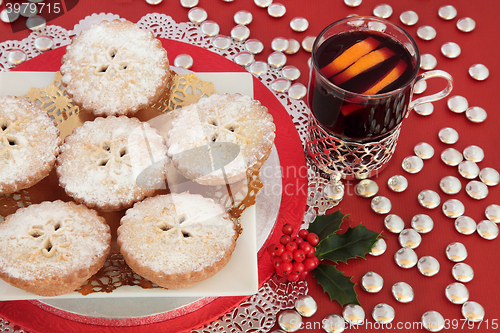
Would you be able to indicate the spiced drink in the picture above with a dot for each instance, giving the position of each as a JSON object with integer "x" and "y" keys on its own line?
{"x": 361, "y": 63}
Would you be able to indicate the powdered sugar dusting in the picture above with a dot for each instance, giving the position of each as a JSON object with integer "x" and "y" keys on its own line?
{"x": 29, "y": 144}
{"x": 177, "y": 233}
{"x": 101, "y": 160}
{"x": 230, "y": 118}
{"x": 115, "y": 68}
{"x": 51, "y": 240}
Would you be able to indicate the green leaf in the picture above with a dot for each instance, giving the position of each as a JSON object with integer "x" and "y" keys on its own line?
{"x": 339, "y": 287}
{"x": 325, "y": 225}
{"x": 355, "y": 242}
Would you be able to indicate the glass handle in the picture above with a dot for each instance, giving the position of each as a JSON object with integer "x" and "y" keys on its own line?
{"x": 437, "y": 96}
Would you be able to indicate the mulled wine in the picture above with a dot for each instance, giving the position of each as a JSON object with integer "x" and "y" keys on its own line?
{"x": 354, "y": 71}
{"x": 360, "y": 90}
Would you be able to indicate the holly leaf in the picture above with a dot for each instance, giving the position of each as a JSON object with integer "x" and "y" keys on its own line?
{"x": 354, "y": 243}
{"x": 339, "y": 287}
{"x": 325, "y": 225}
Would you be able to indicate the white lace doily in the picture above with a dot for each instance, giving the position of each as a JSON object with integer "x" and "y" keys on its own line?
{"x": 257, "y": 313}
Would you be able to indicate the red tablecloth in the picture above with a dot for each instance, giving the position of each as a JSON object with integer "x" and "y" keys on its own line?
{"x": 478, "y": 46}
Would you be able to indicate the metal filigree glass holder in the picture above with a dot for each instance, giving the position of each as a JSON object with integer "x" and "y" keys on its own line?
{"x": 353, "y": 160}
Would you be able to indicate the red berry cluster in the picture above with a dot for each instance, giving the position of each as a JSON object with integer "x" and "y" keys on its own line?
{"x": 293, "y": 257}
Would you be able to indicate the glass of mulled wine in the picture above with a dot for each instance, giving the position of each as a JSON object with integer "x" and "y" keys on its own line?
{"x": 364, "y": 70}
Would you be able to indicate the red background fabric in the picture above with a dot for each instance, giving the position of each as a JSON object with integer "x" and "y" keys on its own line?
{"x": 478, "y": 46}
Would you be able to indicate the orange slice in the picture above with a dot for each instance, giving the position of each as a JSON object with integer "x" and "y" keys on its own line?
{"x": 390, "y": 77}
{"x": 349, "y": 56}
{"x": 387, "y": 79}
{"x": 350, "y": 108}
{"x": 364, "y": 63}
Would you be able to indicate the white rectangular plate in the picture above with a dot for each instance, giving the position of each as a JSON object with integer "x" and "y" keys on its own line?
{"x": 238, "y": 277}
